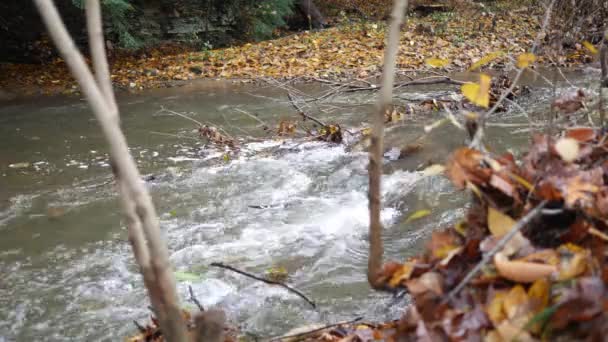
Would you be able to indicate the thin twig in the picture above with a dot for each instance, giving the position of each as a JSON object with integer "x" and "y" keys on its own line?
{"x": 174, "y": 135}
{"x": 264, "y": 124}
{"x": 314, "y": 331}
{"x": 163, "y": 109}
{"x": 499, "y": 246}
{"x": 141, "y": 214}
{"x": 264, "y": 280}
{"x": 195, "y": 300}
{"x": 302, "y": 112}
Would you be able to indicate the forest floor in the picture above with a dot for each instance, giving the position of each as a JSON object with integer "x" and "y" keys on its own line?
{"x": 349, "y": 50}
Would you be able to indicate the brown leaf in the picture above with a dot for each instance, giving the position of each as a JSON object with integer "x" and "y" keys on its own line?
{"x": 465, "y": 166}
{"x": 570, "y": 102}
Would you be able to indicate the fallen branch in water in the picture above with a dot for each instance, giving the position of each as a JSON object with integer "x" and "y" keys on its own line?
{"x": 314, "y": 331}
{"x": 264, "y": 280}
{"x": 195, "y": 300}
{"x": 302, "y": 112}
{"x": 351, "y": 86}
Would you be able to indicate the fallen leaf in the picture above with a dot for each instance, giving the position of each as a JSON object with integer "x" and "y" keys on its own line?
{"x": 521, "y": 271}
{"x": 525, "y": 59}
{"x": 499, "y": 225}
{"x": 590, "y": 47}
{"x": 437, "y": 62}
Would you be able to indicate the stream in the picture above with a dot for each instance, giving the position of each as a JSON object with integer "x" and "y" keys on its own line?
{"x": 67, "y": 269}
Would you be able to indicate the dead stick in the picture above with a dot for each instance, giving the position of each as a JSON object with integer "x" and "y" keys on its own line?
{"x": 195, "y": 300}
{"x": 306, "y": 333}
{"x": 499, "y": 246}
{"x": 301, "y": 111}
{"x": 264, "y": 280}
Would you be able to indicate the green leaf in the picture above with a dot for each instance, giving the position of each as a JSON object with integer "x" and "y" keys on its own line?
{"x": 186, "y": 276}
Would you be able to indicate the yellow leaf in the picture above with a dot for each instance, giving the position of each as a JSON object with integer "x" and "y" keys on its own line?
{"x": 478, "y": 93}
{"x": 574, "y": 267}
{"x": 590, "y": 47}
{"x": 402, "y": 274}
{"x": 485, "y": 60}
{"x": 539, "y": 294}
{"x": 437, "y": 62}
{"x": 418, "y": 215}
{"x": 461, "y": 228}
{"x": 495, "y": 308}
{"x": 525, "y": 59}
{"x": 500, "y": 224}
{"x": 515, "y": 301}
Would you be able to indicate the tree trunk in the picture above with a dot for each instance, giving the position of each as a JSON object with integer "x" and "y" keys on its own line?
{"x": 311, "y": 13}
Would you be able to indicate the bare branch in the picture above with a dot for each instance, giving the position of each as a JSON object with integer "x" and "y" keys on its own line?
{"x": 302, "y": 112}
{"x": 98, "y": 51}
{"x": 376, "y": 247}
{"x": 300, "y": 336}
{"x": 158, "y": 277}
{"x": 264, "y": 280}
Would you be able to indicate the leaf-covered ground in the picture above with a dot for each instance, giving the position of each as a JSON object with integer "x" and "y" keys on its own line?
{"x": 350, "y": 49}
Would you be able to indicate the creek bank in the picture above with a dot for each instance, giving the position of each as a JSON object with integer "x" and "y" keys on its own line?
{"x": 348, "y": 51}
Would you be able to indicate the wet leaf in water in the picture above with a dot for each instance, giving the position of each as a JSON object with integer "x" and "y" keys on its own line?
{"x": 418, "y": 215}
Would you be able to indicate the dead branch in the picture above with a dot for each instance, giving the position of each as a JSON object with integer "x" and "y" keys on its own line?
{"x": 302, "y": 112}
{"x": 195, "y": 300}
{"x": 143, "y": 222}
{"x": 264, "y": 280}
{"x": 314, "y": 331}
{"x": 98, "y": 51}
{"x": 376, "y": 247}
{"x": 172, "y": 112}
{"x": 499, "y": 246}
{"x": 351, "y": 86}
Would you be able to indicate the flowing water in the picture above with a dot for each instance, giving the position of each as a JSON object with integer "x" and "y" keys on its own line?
{"x": 67, "y": 271}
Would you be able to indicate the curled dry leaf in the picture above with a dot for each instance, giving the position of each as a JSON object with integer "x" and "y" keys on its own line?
{"x": 465, "y": 167}
{"x": 521, "y": 271}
